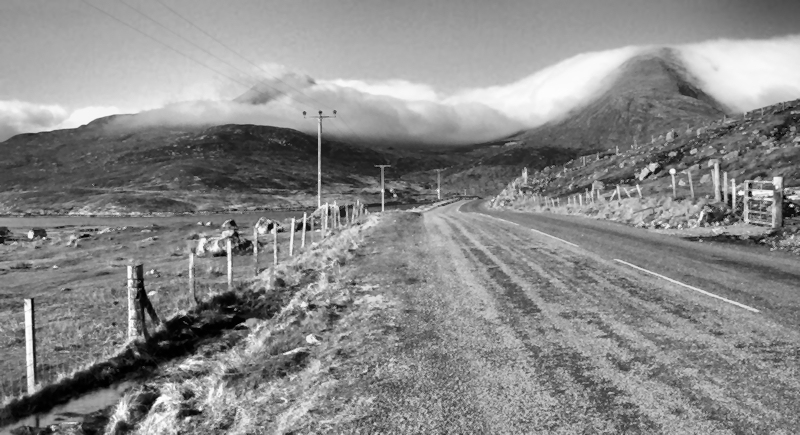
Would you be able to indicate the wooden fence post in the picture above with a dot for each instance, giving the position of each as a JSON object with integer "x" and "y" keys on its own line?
{"x": 716, "y": 180}
{"x": 580, "y": 200}
{"x": 639, "y": 189}
{"x": 619, "y": 194}
{"x": 291, "y": 239}
{"x": 303, "y": 241}
{"x": 691, "y": 184}
{"x": 777, "y": 202}
{"x": 275, "y": 246}
{"x": 725, "y": 187}
{"x": 135, "y": 276}
{"x": 325, "y": 221}
{"x": 733, "y": 194}
{"x": 230, "y": 264}
{"x": 192, "y": 287}
{"x": 30, "y": 344}
{"x": 346, "y": 215}
{"x": 745, "y": 202}
{"x": 255, "y": 251}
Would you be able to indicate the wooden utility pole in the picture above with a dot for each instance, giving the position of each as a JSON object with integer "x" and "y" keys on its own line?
{"x": 30, "y": 344}
{"x": 691, "y": 183}
{"x": 135, "y": 276}
{"x": 439, "y": 183}
{"x": 383, "y": 189}
{"x": 716, "y": 180}
{"x": 319, "y": 117}
{"x": 275, "y": 245}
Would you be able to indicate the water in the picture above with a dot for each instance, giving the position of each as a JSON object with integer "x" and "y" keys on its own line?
{"x": 74, "y": 410}
{"x": 22, "y": 224}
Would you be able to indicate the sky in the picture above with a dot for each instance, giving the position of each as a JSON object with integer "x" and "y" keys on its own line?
{"x": 436, "y": 71}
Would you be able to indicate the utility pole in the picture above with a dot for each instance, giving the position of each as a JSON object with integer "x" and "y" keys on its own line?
{"x": 383, "y": 190}
{"x": 320, "y": 117}
{"x": 439, "y": 183}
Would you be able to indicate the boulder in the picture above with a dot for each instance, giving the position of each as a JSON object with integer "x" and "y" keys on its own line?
{"x": 217, "y": 246}
{"x": 672, "y": 153}
{"x": 265, "y": 226}
{"x": 37, "y": 233}
{"x": 643, "y": 174}
{"x": 705, "y": 178}
{"x": 229, "y": 224}
{"x": 693, "y": 151}
{"x": 654, "y": 167}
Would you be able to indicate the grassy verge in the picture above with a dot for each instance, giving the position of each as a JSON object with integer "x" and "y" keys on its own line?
{"x": 276, "y": 313}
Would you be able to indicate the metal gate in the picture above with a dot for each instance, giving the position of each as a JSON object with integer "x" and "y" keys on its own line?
{"x": 763, "y": 202}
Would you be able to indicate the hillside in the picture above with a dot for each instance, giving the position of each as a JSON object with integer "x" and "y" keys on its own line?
{"x": 100, "y": 168}
{"x": 763, "y": 144}
{"x": 649, "y": 95}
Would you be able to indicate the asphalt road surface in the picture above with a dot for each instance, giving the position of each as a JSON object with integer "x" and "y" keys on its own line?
{"x": 506, "y": 329}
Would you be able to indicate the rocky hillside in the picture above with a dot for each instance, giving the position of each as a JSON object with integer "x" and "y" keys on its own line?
{"x": 762, "y": 144}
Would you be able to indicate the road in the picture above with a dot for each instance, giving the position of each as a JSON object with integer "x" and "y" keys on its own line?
{"x": 505, "y": 329}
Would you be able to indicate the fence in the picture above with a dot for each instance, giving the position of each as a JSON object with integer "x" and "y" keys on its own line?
{"x": 40, "y": 342}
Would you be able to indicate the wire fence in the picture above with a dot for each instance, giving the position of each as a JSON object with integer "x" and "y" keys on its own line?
{"x": 74, "y": 329}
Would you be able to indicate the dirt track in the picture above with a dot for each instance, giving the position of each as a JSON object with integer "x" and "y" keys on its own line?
{"x": 501, "y": 330}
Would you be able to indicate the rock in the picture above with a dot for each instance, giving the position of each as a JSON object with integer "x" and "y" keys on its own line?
{"x": 37, "y": 233}
{"x": 151, "y": 294}
{"x": 672, "y": 153}
{"x": 731, "y": 155}
{"x": 152, "y": 272}
{"x": 55, "y": 266}
{"x": 622, "y": 165}
{"x": 653, "y": 167}
{"x": 681, "y": 182}
{"x": 4, "y": 231}
{"x": 65, "y": 289}
{"x": 693, "y": 151}
{"x": 229, "y": 224}
{"x": 796, "y": 140}
{"x": 793, "y": 129}
{"x": 250, "y": 323}
{"x": 208, "y": 224}
{"x": 670, "y": 136}
{"x": 643, "y": 174}
{"x": 313, "y": 339}
{"x": 265, "y": 226}
{"x": 200, "y": 224}
{"x": 705, "y": 178}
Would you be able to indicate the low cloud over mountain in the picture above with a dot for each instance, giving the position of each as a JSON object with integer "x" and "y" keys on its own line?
{"x": 742, "y": 75}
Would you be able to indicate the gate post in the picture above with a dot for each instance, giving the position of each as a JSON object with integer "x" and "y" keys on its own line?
{"x": 777, "y": 202}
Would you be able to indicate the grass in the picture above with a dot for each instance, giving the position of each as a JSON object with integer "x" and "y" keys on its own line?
{"x": 244, "y": 389}
{"x": 81, "y": 306}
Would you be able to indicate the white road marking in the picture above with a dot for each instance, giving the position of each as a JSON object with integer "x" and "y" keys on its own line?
{"x": 690, "y": 287}
{"x": 535, "y": 231}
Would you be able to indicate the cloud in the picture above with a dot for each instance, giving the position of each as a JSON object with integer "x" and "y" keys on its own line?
{"x": 23, "y": 117}
{"x": 747, "y": 74}
{"x": 743, "y": 75}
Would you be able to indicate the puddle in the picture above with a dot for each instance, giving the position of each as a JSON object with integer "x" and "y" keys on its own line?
{"x": 74, "y": 410}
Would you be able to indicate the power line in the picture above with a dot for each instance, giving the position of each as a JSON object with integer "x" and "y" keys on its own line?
{"x": 190, "y": 42}
{"x": 164, "y": 44}
{"x": 226, "y": 46}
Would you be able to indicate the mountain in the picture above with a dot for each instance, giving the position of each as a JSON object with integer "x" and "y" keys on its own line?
{"x": 647, "y": 96}
{"x": 104, "y": 167}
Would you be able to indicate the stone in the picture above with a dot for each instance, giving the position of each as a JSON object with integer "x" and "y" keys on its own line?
{"x": 265, "y": 226}
{"x": 622, "y": 165}
{"x": 643, "y": 174}
{"x": 681, "y": 182}
{"x": 672, "y": 153}
{"x": 37, "y": 233}
{"x": 670, "y": 136}
{"x": 796, "y": 140}
{"x": 208, "y": 224}
{"x": 693, "y": 151}
{"x": 731, "y": 155}
{"x": 313, "y": 339}
{"x": 705, "y": 178}
{"x": 229, "y": 224}
{"x": 793, "y": 129}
